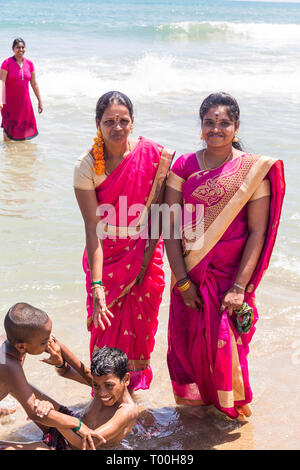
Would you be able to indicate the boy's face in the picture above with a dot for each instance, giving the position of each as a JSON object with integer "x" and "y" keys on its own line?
{"x": 109, "y": 388}
{"x": 39, "y": 340}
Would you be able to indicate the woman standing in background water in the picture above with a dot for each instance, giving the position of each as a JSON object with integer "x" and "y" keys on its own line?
{"x": 18, "y": 120}
{"x": 217, "y": 274}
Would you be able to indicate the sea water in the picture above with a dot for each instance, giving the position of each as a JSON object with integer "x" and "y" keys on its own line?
{"x": 167, "y": 56}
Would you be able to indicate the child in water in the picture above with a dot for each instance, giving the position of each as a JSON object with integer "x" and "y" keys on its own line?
{"x": 111, "y": 413}
{"x": 28, "y": 330}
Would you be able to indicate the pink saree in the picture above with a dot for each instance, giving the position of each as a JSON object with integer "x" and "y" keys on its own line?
{"x": 130, "y": 190}
{"x": 18, "y": 120}
{"x": 207, "y": 357}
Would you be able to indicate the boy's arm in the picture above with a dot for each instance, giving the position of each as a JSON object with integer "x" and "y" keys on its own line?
{"x": 124, "y": 418}
{"x": 26, "y": 396}
{"x": 71, "y": 360}
{"x": 24, "y": 393}
{"x": 67, "y": 372}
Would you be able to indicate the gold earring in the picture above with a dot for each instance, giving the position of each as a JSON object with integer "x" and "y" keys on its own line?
{"x": 235, "y": 139}
{"x": 201, "y": 136}
{"x": 131, "y": 130}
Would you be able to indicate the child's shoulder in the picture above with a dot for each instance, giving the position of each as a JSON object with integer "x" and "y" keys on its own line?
{"x": 129, "y": 408}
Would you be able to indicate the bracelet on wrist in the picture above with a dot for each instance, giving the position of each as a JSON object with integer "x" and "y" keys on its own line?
{"x": 96, "y": 282}
{"x": 62, "y": 366}
{"x": 97, "y": 287}
{"x": 184, "y": 287}
{"x": 78, "y": 427}
{"x": 182, "y": 281}
{"x": 239, "y": 286}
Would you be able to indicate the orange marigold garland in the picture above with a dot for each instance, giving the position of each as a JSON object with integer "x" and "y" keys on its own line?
{"x": 98, "y": 154}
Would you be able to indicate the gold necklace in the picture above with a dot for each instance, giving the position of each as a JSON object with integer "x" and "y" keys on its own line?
{"x": 209, "y": 169}
{"x": 129, "y": 147}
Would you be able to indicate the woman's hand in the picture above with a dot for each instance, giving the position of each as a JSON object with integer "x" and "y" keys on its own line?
{"x": 232, "y": 300}
{"x": 192, "y": 298}
{"x": 101, "y": 312}
{"x": 40, "y": 107}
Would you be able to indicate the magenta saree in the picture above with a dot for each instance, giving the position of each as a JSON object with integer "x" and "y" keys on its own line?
{"x": 18, "y": 120}
{"x": 207, "y": 357}
{"x": 130, "y": 190}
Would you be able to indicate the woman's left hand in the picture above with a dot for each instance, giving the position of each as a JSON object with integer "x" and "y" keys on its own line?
{"x": 40, "y": 107}
{"x": 233, "y": 300}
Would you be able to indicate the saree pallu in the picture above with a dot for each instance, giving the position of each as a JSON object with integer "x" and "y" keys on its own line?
{"x": 207, "y": 357}
{"x": 130, "y": 190}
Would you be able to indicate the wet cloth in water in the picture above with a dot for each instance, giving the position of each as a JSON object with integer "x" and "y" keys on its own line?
{"x": 53, "y": 438}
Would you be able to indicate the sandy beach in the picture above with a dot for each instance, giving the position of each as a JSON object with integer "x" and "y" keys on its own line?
{"x": 167, "y": 59}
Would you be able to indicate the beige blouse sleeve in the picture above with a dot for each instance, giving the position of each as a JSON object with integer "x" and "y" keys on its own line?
{"x": 264, "y": 189}
{"x": 175, "y": 181}
{"x": 85, "y": 176}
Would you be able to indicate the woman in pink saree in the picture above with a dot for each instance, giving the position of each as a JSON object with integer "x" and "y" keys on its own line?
{"x": 16, "y": 72}
{"x": 232, "y": 203}
{"x": 116, "y": 185}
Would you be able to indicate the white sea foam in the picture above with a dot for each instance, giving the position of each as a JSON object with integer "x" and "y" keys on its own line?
{"x": 282, "y": 263}
{"x": 153, "y": 75}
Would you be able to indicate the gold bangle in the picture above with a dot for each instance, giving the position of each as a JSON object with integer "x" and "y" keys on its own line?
{"x": 182, "y": 281}
{"x": 185, "y": 286}
{"x": 97, "y": 287}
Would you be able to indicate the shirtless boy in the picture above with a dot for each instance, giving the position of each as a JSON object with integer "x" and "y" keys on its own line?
{"x": 28, "y": 330}
{"x": 111, "y": 413}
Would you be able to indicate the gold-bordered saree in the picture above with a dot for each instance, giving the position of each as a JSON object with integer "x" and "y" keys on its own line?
{"x": 207, "y": 357}
{"x": 131, "y": 190}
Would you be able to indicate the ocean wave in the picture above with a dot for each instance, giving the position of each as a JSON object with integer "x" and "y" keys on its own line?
{"x": 265, "y": 33}
{"x": 155, "y": 75}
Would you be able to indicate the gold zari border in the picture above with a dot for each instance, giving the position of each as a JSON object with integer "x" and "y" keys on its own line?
{"x": 162, "y": 170}
{"x": 215, "y": 231}
{"x": 136, "y": 365}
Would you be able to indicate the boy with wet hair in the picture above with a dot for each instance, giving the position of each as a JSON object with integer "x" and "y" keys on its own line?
{"x": 28, "y": 331}
{"x": 111, "y": 413}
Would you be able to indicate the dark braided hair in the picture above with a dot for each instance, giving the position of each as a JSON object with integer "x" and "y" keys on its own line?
{"x": 110, "y": 98}
{"x": 222, "y": 99}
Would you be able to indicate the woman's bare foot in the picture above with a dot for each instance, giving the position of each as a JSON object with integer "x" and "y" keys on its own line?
{"x": 244, "y": 410}
{"x": 5, "y": 137}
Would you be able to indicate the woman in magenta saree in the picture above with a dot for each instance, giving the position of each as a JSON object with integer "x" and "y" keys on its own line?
{"x": 123, "y": 313}
{"x": 16, "y": 72}
{"x": 234, "y": 209}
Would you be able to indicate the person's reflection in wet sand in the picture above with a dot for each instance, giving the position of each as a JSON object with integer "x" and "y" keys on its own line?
{"x": 19, "y": 174}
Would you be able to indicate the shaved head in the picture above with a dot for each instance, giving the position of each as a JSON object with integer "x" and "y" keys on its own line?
{"x": 22, "y": 321}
